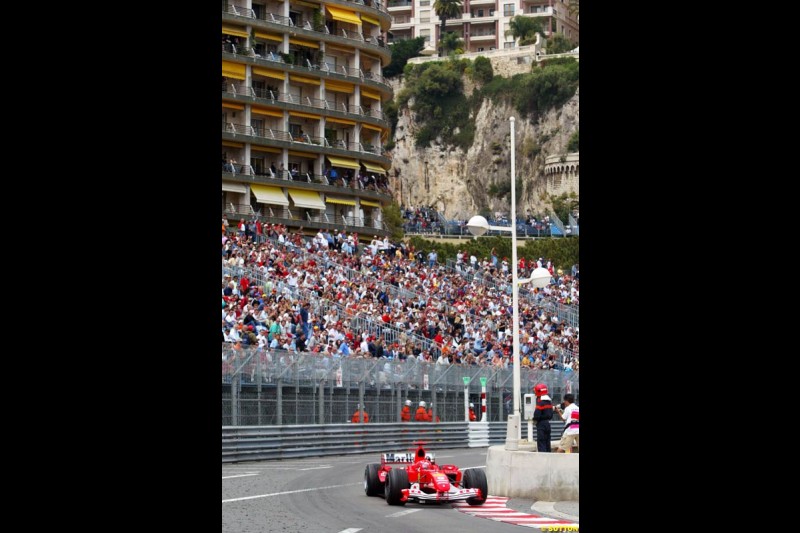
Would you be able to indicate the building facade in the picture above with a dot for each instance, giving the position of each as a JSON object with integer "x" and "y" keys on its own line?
{"x": 303, "y": 129}
{"x": 483, "y": 23}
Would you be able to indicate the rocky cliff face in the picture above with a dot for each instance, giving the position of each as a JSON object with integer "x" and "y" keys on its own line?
{"x": 457, "y": 183}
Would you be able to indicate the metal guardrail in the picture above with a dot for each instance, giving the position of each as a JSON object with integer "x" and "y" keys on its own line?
{"x": 255, "y": 443}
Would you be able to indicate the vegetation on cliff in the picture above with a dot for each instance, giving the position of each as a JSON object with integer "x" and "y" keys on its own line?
{"x": 435, "y": 92}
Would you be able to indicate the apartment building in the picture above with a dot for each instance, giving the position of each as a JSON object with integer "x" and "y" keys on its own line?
{"x": 303, "y": 129}
{"x": 483, "y": 23}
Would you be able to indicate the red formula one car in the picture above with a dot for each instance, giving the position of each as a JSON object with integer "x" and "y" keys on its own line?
{"x": 415, "y": 476}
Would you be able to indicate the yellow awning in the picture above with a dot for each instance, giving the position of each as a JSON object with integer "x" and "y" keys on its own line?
{"x": 228, "y": 105}
{"x": 340, "y": 121}
{"x": 344, "y": 162}
{"x": 300, "y": 42}
{"x": 307, "y": 4}
{"x": 370, "y": 204}
{"x": 365, "y": 18}
{"x": 307, "y": 199}
{"x": 342, "y": 201}
{"x": 343, "y": 15}
{"x": 303, "y": 154}
{"x": 266, "y": 149}
{"x": 230, "y": 30}
{"x": 373, "y": 168}
{"x": 277, "y": 74}
{"x": 329, "y": 46}
{"x": 233, "y": 187}
{"x": 269, "y": 36}
{"x": 371, "y": 127}
{"x": 303, "y": 115}
{"x": 267, "y": 112}
{"x": 338, "y": 86}
{"x": 370, "y": 94}
{"x": 269, "y": 195}
{"x": 233, "y": 70}
{"x": 301, "y": 79}
{"x": 232, "y": 144}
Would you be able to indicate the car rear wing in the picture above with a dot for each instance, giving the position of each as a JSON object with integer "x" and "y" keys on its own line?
{"x": 405, "y": 457}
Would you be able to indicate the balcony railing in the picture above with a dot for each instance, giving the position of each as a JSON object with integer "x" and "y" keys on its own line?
{"x": 286, "y": 21}
{"x": 309, "y": 67}
{"x": 316, "y": 103}
{"x": 280, "y": 135}
{"x": 399, "y": 3}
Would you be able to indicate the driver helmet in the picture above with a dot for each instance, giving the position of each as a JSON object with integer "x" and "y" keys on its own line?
{"x": 408, "y": 402}
{"x": 422, "y": 404}
{"x": 424, "y": 464}
{"x": 471, "y": 405}
{"x": 540, "y": 389}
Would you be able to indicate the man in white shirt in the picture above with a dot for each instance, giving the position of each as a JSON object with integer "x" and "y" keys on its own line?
{"x": 571, "y": 417}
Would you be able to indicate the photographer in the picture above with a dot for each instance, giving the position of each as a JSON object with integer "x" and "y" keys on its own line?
{"x": 571, "y": 416}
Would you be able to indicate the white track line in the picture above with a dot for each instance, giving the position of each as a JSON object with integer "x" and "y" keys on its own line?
{"x": 402, "y": 513}
{"x": 351, "y": 530}
{"x": 240, "y": 475}
{"x": 315, "y": 467}
{"x": 289, "y": 492}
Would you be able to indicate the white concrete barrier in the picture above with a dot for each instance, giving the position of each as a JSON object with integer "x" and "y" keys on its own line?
{"x": 539, "y": 476}
{"x": 478, "y": 434}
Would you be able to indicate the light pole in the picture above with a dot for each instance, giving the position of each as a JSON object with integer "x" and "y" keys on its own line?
{"x": 478, "y": 225}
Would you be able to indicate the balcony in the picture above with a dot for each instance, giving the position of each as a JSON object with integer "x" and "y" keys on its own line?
{"x": 292, "y": 217}
{"x": 278, "y": 23}
{"x": 399, "y": 6}
{"x": 482, "y": 37}
{"x": 318, "y": 182}
{"x": 276, "y": 61}
{"x": 475, "y": 3}
{"x": 314, "y": 182}
{"x": 318, "y": 145}
{"x": 544, "y": 12}
{"x": 263, "y": 96}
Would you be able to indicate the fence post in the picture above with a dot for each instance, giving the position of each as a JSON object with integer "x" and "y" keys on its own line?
{"x": 279, "y": 401}
{"x": 258, "y": 380}
{"x": 483, "y": 399}
{"x": 360, "y": 399}
{"x": 466, "y": 397}
{"x": 321, "y": 401}
{"x": 235, "y": 397}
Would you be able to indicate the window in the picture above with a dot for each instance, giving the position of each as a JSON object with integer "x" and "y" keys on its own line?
{"x": 480, "y": 12}
{"x": 508, "y": 10}
{"x": 425, "y": 2}
{"x": 258, "y": 165}
{"x": 294, "y": 130}
{"x": 491, "y": 12}
{"x": 425, "y": 16}
{"x": 480, "y": 49}
{"x": 509, "y": 45}
{"x": 426, "y": 34}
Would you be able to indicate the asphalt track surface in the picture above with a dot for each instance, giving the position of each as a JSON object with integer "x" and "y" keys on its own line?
{"x": 326, "y": 495}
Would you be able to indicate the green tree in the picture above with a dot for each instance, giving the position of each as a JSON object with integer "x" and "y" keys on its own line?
{"x": 573, "y": 145}
{"x": 452, "y": 42}
{"x": 401, "y": 52}
{"x": 482, "y": 69}
{"x": 524, "y": 29}
{"x": 558, "y": 44}
{"x": 446, "y": 9}
{"x": 394, "y": 221}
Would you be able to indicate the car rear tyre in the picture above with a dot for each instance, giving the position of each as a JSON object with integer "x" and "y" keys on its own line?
{"x": 372, "y": 483}
{"x": 476, "y": 479}
{"x": 396, "y": 481}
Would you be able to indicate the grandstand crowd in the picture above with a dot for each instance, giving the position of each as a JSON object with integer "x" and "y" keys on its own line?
{"x": 283, "y": 291}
